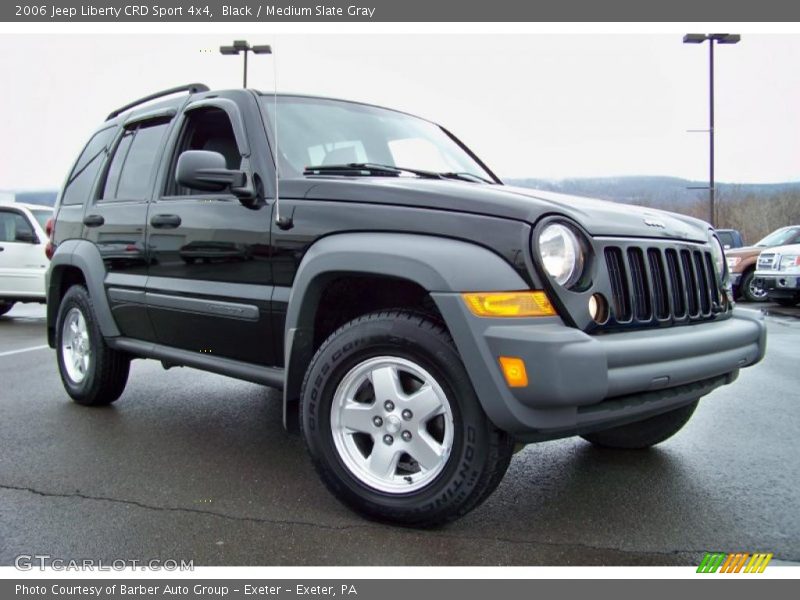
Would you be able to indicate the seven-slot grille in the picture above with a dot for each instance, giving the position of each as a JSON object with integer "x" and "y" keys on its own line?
{"x": 651, "y": 285}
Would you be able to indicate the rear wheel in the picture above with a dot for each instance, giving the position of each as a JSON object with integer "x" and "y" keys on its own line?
{"x": 93, "y": 374}
{"x": 643, "y": 434}
{"x": 393, "y": 425}
{"x": 6, "y": 306}
{"x": 750, "y": 291}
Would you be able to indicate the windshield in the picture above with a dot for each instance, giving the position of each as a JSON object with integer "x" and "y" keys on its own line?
{"x": 320, "y": 132}
{"x": 781, "y": 237}
{"x": 42, "y": 216}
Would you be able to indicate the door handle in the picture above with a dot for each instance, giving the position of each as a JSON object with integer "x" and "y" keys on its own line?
{"x": 1, "y": 248}
{"x": 165, "y": 221}
{"x": 93, "y": 220}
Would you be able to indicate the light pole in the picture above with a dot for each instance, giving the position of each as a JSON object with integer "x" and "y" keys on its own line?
{"x": 243, "y": 47}
{"x": 719, "y": 38}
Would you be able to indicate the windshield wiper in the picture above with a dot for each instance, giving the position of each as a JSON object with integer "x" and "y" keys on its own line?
{"x": 378, "y": 169}
{"x": 368, "y": 169}
{"x": 464, "y": 176}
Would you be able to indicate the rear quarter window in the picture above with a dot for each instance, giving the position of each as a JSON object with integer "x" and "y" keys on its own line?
{"x": 80, "y": 182}
{"x": 134, "y": 162}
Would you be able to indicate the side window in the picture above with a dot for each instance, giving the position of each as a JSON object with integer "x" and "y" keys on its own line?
{"x": 13, "y": 225}
{"x": 131, "y": 168}
{"x": 79, "y": 184}
{"x": 204, "y": 129}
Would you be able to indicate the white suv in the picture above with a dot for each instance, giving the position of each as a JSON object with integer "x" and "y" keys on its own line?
{"x": 23, "y": 261}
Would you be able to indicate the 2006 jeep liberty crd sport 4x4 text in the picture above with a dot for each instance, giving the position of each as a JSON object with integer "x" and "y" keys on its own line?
{"x": 420, "y": 317}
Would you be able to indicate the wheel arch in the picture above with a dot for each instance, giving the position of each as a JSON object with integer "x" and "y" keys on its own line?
{"x": 429, "y": 263}
{"x": 78, "y": 262}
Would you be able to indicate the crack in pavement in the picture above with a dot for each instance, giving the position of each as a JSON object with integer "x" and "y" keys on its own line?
{"x": 365, "y": 526}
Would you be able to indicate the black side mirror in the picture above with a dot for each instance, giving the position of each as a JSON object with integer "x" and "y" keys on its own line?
{"x": 207, "y": 171}
{"x": 26, "y": 237}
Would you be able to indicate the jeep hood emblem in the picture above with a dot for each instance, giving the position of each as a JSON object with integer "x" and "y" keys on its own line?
{"x": 654, "y": 223}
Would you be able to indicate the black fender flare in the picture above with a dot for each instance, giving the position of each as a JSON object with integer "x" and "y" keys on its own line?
{"x": 434, "y": 263}
{"x": 84, "y": 256}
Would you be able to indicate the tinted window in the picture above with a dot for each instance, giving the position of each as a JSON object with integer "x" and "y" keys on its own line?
{"x": 133, "y": 164}
{"x": 79, "y": 184}
{"x": 726, "y": 237}
{"x": 205, "y": 129}
{"x": 11, "y": 224}
{"x": 115, "y": 169}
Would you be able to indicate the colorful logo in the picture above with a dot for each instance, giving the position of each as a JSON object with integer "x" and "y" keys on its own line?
{"x": 740, "y": 562}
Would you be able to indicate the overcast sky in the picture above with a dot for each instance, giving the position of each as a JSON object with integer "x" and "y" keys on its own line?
{"x": 549, "y": 106}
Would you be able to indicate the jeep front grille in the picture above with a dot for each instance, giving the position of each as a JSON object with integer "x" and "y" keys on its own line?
{"x": 654, "y": 285}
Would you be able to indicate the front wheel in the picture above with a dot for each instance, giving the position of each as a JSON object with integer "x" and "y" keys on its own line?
{"x": 93, "y": 374}
{"x": 750, "y": 291}
{"x": 643, "y": 434}
{"x": 393, "y": 425}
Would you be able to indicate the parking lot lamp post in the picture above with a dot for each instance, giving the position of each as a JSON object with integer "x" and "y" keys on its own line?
{"x": 719, "y": 38}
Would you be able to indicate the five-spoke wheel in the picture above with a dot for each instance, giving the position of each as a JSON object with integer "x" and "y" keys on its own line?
{"x": 392, "y": 424}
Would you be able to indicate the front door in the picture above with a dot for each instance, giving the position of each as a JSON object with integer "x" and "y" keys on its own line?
{"x": 209, "y": 277}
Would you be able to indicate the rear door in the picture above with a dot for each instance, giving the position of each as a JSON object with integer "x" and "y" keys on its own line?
{"x": 22, "y": 259}
{"x": 209, "y": 286}
{"x": 116, "y": 220}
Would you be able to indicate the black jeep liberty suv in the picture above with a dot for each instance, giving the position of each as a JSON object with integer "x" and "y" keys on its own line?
{"x": 421, "y": 318}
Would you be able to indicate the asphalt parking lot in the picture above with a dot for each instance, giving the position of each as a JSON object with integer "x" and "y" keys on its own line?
{"x": 189, "y": 465}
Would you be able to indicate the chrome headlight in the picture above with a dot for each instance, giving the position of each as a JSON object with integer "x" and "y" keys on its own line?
{"x": 561, "y": 254}
{"x": 718, "y": 254}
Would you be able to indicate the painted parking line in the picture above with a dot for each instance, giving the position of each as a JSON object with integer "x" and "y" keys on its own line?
{"x": 21, "y": 350}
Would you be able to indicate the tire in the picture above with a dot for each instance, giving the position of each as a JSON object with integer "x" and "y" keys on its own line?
{"x": 6, "y": 306}
{"x": 406, "y": 353}
{"x": 749, "y": 291}
{"x": 93, "y": 374}
{"x": 787, "y": 302}
{"x": 643, "y": 434}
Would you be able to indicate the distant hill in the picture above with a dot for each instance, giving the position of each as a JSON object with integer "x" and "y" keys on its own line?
{"x": 654, "y": 191}
{"x": 43, "y": 197}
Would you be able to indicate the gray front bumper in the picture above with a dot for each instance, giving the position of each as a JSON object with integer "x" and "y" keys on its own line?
{"x": 573, "y": 375}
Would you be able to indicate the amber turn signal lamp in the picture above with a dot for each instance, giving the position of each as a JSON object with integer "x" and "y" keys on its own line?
{"x": 509, "y": 304}
{"x": 514, "y": 371}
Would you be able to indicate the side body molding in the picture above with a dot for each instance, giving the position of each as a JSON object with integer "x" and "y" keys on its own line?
{"x": 84, "y": 256}
{"x": 434, "y": 263}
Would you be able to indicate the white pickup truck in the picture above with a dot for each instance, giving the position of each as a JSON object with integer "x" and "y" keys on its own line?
{"x": 778, "y": 273}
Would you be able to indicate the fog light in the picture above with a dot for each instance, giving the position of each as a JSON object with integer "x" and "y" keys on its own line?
{"x": 514, "y": 371}
{"x": 598, "y": 309}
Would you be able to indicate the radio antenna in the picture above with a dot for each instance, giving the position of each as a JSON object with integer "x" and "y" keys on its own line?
{"x": 282, "y": 222}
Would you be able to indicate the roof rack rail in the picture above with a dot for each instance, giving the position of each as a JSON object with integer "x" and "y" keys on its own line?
{"x": 192, "y": 88}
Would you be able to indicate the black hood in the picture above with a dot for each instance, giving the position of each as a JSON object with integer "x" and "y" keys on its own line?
{"x": 598, "y": 217}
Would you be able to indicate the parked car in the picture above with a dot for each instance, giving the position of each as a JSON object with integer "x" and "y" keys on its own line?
{"x": 730, "y": 238}
{"x": 23, "y": 262}
{"x": 421, "y": 318}
{"x": 742, "y": 262}
{"x": 778, "y": 273}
